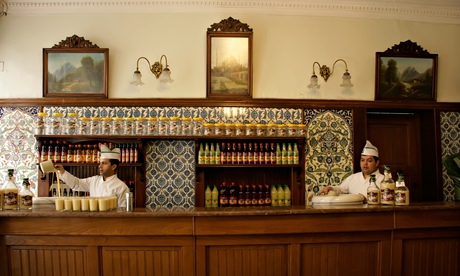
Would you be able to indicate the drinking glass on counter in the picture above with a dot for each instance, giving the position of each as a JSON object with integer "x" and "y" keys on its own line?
{"x": 85, "y": 204}
{"x": 93, "y": 204}
{"x": 76, "y": 204}
{"x": 68, "y": 204}
{"x": 59, "y": 203}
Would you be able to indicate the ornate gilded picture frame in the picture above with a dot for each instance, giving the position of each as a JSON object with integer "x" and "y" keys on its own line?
{"x": 229, "y": 60}
{"x": 75, "y": 68}
{"x": 406, "y": 72}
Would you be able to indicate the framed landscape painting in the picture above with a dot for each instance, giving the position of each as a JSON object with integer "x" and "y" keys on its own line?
{"x": 75, "y": 72}
{"x": 406, "y": 72}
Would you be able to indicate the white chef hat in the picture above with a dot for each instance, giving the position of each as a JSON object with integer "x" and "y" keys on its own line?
{"x": 106, "y": 153}
{"x": 370, "y": 149}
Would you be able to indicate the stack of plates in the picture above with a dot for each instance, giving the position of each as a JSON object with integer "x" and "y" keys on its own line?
{"x": 344, "y": 199}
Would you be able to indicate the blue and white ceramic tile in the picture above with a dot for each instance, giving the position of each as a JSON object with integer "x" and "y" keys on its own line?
{"x": 329, "y": 148}
{"x": 170, "y": 173}
{"x": 450, "y": 144}
{"x": 18, "y": 146}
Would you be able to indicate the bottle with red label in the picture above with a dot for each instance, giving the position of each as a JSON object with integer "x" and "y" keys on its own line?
{"x": 241, "y": 194}
{"x": 255, "y": 155}
{"x": 223, "y": 154}
{"x": 255, "y": 195}
{"x": 223, "y": 195}
{"x": 233, "y": 195}
{"x": 247, "y": 196}
{"x": 250, "y": 154}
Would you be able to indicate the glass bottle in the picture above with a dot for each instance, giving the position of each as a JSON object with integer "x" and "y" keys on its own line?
{"x": 278, "y": 153}
{"x": 247, "y": 196}
{"x": 373, "y": 192}
{"x": 223, "y": 154}
{"x": 223, "y": 195}
{"x": 387, "y": 188}
{"x": 25, "y": 195}
{"x": 197, "y": 126}
{"x": 186, "y": 126}
{"x": 233, "y": 195}
{"x": 268, "y": 196}
{"x": 295, "y": 153}
{"x": 117, "y": 126}
{"x": 56, "y": 123}
{"x": 217, "y": 154}
{"x": 401, "y": 191}
{"x": 241, "y": 195}
{"x": 214, "y": 197}
{"x": 140, "y": 127}
{"x": 281, "y": 201}
{"x": 287, "y": 195}
{"x": 208, "y": 197}
{"x": 152, "y": 126}
{"x": 274, "y": 195}
{"x": 207, "y": 159}
{"x": 128, "y": 126}
{"x": 201, "y": 155}
{"x": 290, "y": 154}
{"x": 284, "y": 154}
{"x": 10, "y": 192}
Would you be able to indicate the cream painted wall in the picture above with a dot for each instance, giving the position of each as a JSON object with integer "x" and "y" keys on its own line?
{"x": 284, "y": 49}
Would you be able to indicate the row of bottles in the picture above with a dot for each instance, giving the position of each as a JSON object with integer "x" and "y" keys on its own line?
{"x": 248, "y": 153}
{"x": 390, "y": 192}
{"x": 247, "y": 195}
{"x": 62, "y": 152}
{"x": 13, "y": 198}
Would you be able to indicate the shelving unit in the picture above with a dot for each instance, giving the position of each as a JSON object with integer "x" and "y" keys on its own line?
{"x": 205, "y": 174}
{"x": 127, "y": 172}
{"x": 215, "y": 174}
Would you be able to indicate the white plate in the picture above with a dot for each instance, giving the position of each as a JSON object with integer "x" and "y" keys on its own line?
{"x": 343, "y": 199}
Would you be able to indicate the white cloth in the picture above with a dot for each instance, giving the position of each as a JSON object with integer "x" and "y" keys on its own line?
{"x": 98, "y": 187}
{"x": 357, "y": 184}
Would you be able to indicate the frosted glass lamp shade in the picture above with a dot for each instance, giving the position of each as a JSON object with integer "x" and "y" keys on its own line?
{"x": 314, "y": 82}
{"x": 166, "y": 76}
{"x": 137, "y": 78}
{"x": 346, "y": 80}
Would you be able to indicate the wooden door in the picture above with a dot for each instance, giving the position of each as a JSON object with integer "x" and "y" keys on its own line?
{"x": 398, "y": 140}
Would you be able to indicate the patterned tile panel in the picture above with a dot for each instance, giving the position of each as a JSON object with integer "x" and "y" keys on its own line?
{"x": 329, "y": 148}
{"x": 18, "y": 145}
{"x": 450, "y": 144}
{"x": 170, "y": 173}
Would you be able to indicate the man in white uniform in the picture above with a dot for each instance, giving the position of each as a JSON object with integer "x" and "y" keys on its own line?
{"x": 357, "y": 183}
{"x": 106, "y": 183}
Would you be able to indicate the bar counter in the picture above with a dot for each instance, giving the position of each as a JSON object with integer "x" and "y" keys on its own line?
{"x": 420, "y": 239}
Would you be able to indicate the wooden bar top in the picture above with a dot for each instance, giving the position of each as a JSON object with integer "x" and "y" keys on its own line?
{"x": 49, "y": 211}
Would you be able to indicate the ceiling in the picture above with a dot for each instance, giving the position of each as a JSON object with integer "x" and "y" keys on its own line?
{"x": 434, "y": 11}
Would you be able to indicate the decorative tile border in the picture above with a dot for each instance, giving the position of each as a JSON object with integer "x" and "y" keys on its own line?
{"x": 450, "y": 144}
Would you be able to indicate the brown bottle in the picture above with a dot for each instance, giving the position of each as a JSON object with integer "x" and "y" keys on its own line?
{"x": 247, "y": 196}
{"x": 64, "y": 150}
{"x": 71, "y": 154}
{"x": 233, "y": 195}
{"x": 255, "y": 195}
{"x": 223, "y": 195}
{"x": 223, "y": 154}
{"x": 261, "y": 195}
{"x": 245, "y": 153}
{"x": 255, "y": 154}
{"x": 250, "y": 154}
{"x": 229, "y": 153}
{"x": 239, "y": 154}
{"x": 241, "y": 193}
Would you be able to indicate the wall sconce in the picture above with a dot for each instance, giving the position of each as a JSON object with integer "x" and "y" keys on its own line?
{"x": 326, "y": 72}
{"x": 156, "y": 69}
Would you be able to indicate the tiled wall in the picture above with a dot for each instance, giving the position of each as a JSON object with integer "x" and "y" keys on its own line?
{"x": 170, "y": 163}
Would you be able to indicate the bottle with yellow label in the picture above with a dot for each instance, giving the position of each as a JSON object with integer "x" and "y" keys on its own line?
{"x": 208, "y": 197}
{"x": 401, "y": 191}
{"x": 280, "y": 196}
{"x": 287, "y": 195}
{"x": 215, "y": 197}
{"x": 274, "y": 195}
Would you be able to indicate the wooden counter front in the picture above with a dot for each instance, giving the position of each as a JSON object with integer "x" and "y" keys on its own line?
{"x": 421, "y": 239}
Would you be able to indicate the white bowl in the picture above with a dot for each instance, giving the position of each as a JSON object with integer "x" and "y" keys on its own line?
{"x": 343, "y": 199}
